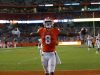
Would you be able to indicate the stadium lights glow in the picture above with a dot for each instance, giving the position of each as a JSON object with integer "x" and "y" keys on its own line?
{"x": 56, "y": 21}
{"x": 65, "y": 20}
{"x": 4, "y": 21}
{"x": 41, "y": 5}
{"x": 70, "y": 43}
{"x": 60, "y": 20}
{"x": 95, "y": 3}
{"x": 72, "y": 4}
{"x": 86, "y": 19}
{"x": 30, "y": 21}
{"x": 67, "y": 4}
{"x": 47, "y": 5}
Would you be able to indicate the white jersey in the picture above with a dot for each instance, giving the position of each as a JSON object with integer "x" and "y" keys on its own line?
{"x": 98, "y": 42}
{"x": 1, "y": 44}
{"x": 89, "y": 41}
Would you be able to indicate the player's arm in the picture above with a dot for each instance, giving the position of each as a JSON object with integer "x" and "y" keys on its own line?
{"x": 64, "y": 33}
{"x": 9, "y": 28}
{"x": 34, "y": 34}
{"x": 68, "y": 34}
{"x": 39, "y": 31}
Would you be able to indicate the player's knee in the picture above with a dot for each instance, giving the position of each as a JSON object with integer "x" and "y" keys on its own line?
{"x": 51, "y": 68}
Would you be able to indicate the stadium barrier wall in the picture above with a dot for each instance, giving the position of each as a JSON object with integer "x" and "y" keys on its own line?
{"x": 26, "y": 44}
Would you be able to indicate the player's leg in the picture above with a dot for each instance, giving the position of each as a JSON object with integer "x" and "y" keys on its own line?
{"x": 83, "y": 40}
{"x": 14, "y": 44}
{"x": 92, "y": 44}
{"x": 58, "y": 61}
{"x": 98, "y": 47}
{"x": 97, "y": 51}
{"x": 52, "y": 63}
{"x": 51, "y": 73}
{"x": 0, "y": 44}
{"x": 46, "y": 73}
{"x": 88, "y": 45}
{"x": 44, "y": 60}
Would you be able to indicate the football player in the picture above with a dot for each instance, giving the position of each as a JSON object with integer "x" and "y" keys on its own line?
{"x": 83, "y": 33}
{"x": 49, "y": 39}
{"x": 98, "y": 43}
{"x": 1, "y": 44}
{"x": 89, "y": 41}
{"x": 48, "y": 35}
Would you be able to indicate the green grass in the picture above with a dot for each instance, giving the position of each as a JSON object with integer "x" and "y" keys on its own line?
{"x": 28, "y": 58}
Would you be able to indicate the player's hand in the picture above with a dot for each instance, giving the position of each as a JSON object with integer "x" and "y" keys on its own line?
{"x": 31, "y": 34}
{"x": 34, "y": 34}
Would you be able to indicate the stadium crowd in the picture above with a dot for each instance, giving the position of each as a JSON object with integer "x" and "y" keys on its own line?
{"x": 31, "y": 2}
{"x": 28, "y": 28}
{"x": 25, "y": 11}
{"x": 38, "y": 16}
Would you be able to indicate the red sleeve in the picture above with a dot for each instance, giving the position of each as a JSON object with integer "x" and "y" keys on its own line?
{"x": 40, "y": 30}
{"x": 57, "y": 31}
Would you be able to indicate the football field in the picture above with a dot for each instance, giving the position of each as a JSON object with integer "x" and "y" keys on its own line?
{"x": 28, "y": 59}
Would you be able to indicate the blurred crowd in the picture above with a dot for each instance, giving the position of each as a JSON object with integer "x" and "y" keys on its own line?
{"x": 27, "y": 10}
{"x": 22, "y": 30}
{"x": 31, "y": 2}
{"x": 34, "y": 6}
{"x": 41, "y": 16}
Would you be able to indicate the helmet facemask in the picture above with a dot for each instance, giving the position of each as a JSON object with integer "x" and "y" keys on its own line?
{"x": 48, "y": 24}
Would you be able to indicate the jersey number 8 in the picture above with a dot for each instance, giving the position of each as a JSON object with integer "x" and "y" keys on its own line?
{"x": 47, "y": 39}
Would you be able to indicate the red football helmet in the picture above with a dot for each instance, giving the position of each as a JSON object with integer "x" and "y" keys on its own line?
{"x": 48, "y": 22}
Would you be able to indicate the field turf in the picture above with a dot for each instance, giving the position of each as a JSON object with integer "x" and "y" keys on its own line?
{"x": 28, "y": 58}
